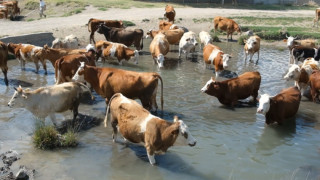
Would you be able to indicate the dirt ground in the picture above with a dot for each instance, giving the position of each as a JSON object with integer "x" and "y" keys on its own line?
{"x": 76, "y": 24}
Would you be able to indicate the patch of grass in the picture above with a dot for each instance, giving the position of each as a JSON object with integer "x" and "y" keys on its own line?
{"x": 31, "y": 5}
{"x": 241, "y": 39}
{"x": 271, "y": 21}
{"x": 30, "y": 19}
{"x": 102, "y": 9}
{"x": 75, "y": 11}
{"x": 202, "y": 20}
{"x": 128, "y": 23}
{"x": 47, "y": 137}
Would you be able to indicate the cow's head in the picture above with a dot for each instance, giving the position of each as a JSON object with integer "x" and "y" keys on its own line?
{"x": 79, "y": 75}
{"x": 225, "y": 59}
{"x": 290, "y": 41}
{"x": 184, "y": 136}
{"x": 192, "y": 40}
{"x": 160, "y": 60}
{"x": 251, "y": 42}
{"x": 103, "y": 29}
{"x": 17, "y": 98}
{"x": 293, "y": 73}
{"x": 264, "y": 104}
{"x": 211, "y": 87}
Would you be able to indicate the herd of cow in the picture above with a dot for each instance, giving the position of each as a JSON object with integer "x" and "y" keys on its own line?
{"x": 75, "y": 67}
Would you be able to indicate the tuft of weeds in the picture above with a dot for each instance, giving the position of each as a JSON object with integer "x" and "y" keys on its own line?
{"x": 128, "y": 23}
{"x": 102, "y": 9}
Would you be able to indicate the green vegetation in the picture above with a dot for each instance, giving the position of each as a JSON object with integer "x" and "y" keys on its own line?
{"x": 47, "y": 137}
{"x": 215, "y": 38}
{"x": 202, "y": 20}
{"x": 30, "y": 19}
{"x": 241, "y": 39}
{"x": 102, "y": 9}
{"x": 128, "y": 23}
{"x": 271, "y": 21}
{"x": 75, "y": 11}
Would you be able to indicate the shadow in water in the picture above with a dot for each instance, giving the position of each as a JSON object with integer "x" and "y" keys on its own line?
{"x": 82, "y": 123}
{"x": 142, "y": 53}
{"x": 17, "y": 82}
{"x": 171, "y": 63}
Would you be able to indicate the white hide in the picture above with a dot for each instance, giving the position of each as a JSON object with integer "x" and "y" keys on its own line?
{"x": 205, "y": 38}
{"x": 205, "y": 87}
{"x": 187, "y": 42}
{"x": 181, "y": 139}
{"x": 69, "y": 42}
{"x": 264, "y": 104}
{"x": 293, "y": 73}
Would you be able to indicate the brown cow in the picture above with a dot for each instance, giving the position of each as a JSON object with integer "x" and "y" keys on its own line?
{"x": 280, "y": 107}
{"x": 252, "y": 46}
{"x": 3, "y": 61}
{"x": 170, "y": 13}
{"x": 214, "y": 55}
{"x": 225, "y": 24}
{"x": 159, "y": 47}
{"x": 94, "y": 23}
{"x": 137, "y": 125}
{"x": 135, "y": 85}
{"x": 66, "y": 67}
{"x": 121, "y": 35}
{"x": 173, "y": 35}
{"x": 165, "y": 25}
{"x": 316, "y": 19}
{"x": 230, "y": 91}
{"x": 110, "y": 50}
{"x": 315, "y": 85}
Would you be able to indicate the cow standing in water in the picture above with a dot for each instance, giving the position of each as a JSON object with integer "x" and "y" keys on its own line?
{"x": 170, "y": 13}
{"x": 94, "y": 23}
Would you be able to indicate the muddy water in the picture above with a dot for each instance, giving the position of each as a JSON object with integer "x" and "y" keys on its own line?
{"x": 232, "y": 143}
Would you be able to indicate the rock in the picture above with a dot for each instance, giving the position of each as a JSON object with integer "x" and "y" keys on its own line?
{"x": 22, "y": 175}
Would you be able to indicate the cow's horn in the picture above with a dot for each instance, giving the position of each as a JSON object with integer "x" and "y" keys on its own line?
{"x": 287, "y": 36}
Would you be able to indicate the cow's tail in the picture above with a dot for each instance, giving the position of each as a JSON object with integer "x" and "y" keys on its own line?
{"x": 160, "y": 78}
{"x": 108, "y": 109}
{"x": 141, "y": 46}
{"x": 58, "y": 71}
{"x": 86, "y": 89}
{"x": 89, "y": 24}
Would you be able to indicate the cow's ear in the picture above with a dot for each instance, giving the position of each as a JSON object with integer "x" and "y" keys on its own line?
{"x": 175, "y": 129}
{"x": 285, "y": 40}
{"x": 175, "y": 119}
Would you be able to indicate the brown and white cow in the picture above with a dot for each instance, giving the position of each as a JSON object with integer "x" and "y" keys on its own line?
{"x": 225, "y": 24}
{"x": 213, "y": 55}
{"x": 94, "y": 23}
{"x": 187, "y": 43}
{"x": 205, "y": 38}
{"x": 137, "y": 125}
{"x": 173, "y": 35}
{"x": 316, "y": 19}
{"x": 66, "y": 66}
{"x": 46, "y": 101}
{"x": 315, "y": 85}
{"x": 252, "y": 46}
{"x": 135, "y": 85}
{"x": 170, "y": 13}
{"x": 3, "y": 61}
{"x": 159, "y": 47}
{"x": 110, "y": 50}
{"x": 121, "y": 35}
{"x": 69, "y": 42}
{"x": 230, "y": 91}
{"x": 280, "y": 107}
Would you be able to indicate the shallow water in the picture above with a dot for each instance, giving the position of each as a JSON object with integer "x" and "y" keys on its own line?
{"x": 232, "y": 143}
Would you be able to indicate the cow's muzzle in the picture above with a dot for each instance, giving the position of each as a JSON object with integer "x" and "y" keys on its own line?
{"x": 260, "y": 111}
{"x": 192, "y": 144}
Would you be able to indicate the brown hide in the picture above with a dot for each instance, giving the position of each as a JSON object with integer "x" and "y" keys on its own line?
{"x": 164, "y": 25}
{"x": 225, "y": 24}
{"x": 218, "y": 61}
{"x": 66, "y": 66}
{"x": 284, "y": 105}
{"x": 230, "y": 91}
{"x": 3, "y": 61}
{"x": 173, "y": 35}
{"x": 134, "y": 85}
{"x": 315, "y": 85}
{"x": 170, "y": 13}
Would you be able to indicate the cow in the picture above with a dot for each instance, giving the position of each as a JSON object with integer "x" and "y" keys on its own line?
{"x": 252, "y": 46}
{"x": 110, "y": 50}
{"x": 165, "y": 25}
{"x": 214, "y": 55}
{"x": 66, "y": 66}
{"x": 205, "y": 38}
{"x": 300, "y": 53}
{"x": 187, "y": 43}
{"x": 3, "y": 61}
{"x": 173, "y": 35}
{"x": 94, "y": 23}
{"x": 170, "y": 13}
{"x": 134, "y": 85}
{"x": 137, "y": 125}
{"x": 315, "y": 85}
{"x": 69, "y": 42}
{"x": 316, "y": 19}
{"x": 225, "y": 24}
{"x": 159, "y": 47}
{"x": 46, "y": 101}
{"x": 124, "y": 36}
{"x": 300, "y": 74}
{"x": 230, "y": 91}
{"x": 27, "y": 52}
{"x": 280, "y": 107}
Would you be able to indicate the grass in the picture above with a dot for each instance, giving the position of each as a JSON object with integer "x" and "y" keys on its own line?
{"x": 271, "y": 21}
{"x": 102, "y": 9}
{"x": 75, "y": 11}
{"x": 241, "y": 39}
{"x": 128, "y": 23}
{"x": 202, "y": 20}
{"x": 30, "y": 19}
{"x": 47, "y": 137}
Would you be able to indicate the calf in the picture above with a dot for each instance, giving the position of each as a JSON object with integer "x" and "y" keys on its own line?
{"x": 187, "y": 43}
{"x": 280, "y": 107}
{"x": 110, "y": 50}
{"x": 159, "y": 47}
{"x": 137, "y": 125}
{"x": 170, "y": 13}
{"x": 66, "y": 67}
{"x": 225, "y": 24}
{"x": 124, "y": 36}
{"x": 252, "y": 46}
{"x": 205, "y": 38}
{"x": 215, "y": 56}
{"x": 230, "y": 91}
{"x": 316, "y": 19}
{"x": 46, "y": 101}
{"x": 3, "y": 61}
{"x": 69, "y": 42}
{"x": 300, "y": 53}
{"x": 94, "y": 23}
{"x": 315, "y": 85}
{"x": 135, "y": 85}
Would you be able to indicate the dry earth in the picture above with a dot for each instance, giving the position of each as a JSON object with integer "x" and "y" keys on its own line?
{"x": 76, "y": 24}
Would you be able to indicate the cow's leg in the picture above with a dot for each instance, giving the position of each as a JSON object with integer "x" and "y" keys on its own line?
{"x": 114, "y": 124}
{"x": 146, "y": 103}
{"x": 251, "y": 55}
{"x": 36, "y": 62}
{"x": 5, "y": 70}
{"x": 44, "y": 65}
{"x": 91, "y": 38}
{"x": 246, "y": 55}
{"x": 258, "y": 57}
{"x": 53, "y": 119}
{"x": 150, "y": 154}
{"x": 154, "y": 106}
{"x": 75, "y": 111}
{"x": 180, "y": 49}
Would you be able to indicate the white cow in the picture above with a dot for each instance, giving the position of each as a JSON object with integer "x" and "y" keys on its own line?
{"x": 69, "y": 42}
{"x": 188, "y": 43}
{"x": 205, "y": 38}
{"x": 46, "y": 101}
